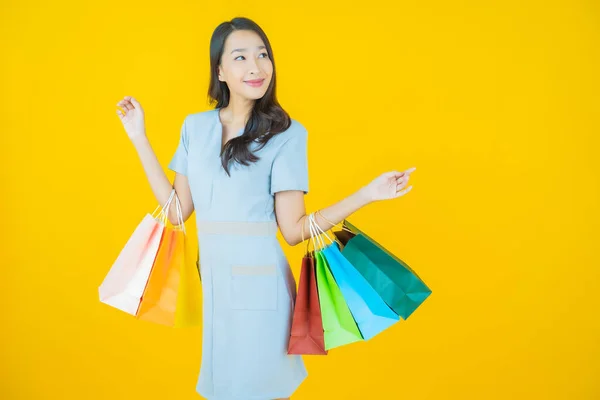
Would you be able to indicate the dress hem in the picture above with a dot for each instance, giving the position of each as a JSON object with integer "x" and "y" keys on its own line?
{"x": 261, "y": 397}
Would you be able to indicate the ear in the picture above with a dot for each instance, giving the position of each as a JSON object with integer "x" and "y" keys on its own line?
{"x": 220, "y": 74}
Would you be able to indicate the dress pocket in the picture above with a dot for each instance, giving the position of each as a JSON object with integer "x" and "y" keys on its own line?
{"x": 254, "y": 287}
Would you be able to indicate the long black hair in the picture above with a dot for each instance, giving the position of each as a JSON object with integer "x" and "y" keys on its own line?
{"x": 267, "y": 118}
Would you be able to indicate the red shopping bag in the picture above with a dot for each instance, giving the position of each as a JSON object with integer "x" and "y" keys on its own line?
{"x": 306, "y": 334}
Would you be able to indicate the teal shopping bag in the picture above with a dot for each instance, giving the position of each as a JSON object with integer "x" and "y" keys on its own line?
{"x": 371, "y": 313}
{"x": 397, "y": 284}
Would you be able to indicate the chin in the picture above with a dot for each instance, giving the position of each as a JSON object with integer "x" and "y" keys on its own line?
{"x": 254, "y": 96}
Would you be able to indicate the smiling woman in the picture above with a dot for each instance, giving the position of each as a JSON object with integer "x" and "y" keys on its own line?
{"x": 248, "y": 288}
{"x": 243, "y": 167}
{"x": 243, "y": 82}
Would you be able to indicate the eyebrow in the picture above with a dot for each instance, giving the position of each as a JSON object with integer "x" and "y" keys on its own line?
{"x": 242, "y": 50}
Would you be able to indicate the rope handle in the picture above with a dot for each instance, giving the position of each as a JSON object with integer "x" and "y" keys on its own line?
{"x": 343, "y": 227}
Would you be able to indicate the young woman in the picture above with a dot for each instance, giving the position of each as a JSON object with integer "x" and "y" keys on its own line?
{"x": 243, "y": 168}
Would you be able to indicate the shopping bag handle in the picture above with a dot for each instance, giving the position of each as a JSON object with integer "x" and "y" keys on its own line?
{"x": 181, "y": 224}
{"x": 164, "y": 216}
{"x": 313, "y": 232}
{"x": 314, "y": 236}
{"x": 311, "y": 237}
{"x": 343, "y": 226}
{"x": 162, "y": 213}
{"x": 318, "y": 229}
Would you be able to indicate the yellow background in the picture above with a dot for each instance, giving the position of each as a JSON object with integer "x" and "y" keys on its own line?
{"x": 495, "y": 103}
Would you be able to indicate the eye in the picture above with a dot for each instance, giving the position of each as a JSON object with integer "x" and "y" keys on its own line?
{"x": 262, "y": 54}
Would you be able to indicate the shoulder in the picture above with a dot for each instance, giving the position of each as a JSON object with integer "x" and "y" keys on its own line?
{"x": 296, "y": 128}
{"x": 295, "y": 136}
{"x": 200, "y": 119}
{"x": 196, "y": 125}
{"x": 293, "y": 139}
{"x": 296, "y": 131}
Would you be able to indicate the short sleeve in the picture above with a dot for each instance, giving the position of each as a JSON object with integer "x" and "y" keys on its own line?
{"x": 179, "y": 161}
{"x": 290, "y": 165}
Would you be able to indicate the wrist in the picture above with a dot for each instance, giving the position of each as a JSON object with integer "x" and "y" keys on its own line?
{"x": 363, "y": 197}
{"x": 139, "y": 140}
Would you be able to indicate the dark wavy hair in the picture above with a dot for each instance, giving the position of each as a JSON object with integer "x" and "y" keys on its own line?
{"x": 267, "y": 118}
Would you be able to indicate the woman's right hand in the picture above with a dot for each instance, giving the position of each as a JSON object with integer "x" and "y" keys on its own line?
{"x": 133, "y": 119}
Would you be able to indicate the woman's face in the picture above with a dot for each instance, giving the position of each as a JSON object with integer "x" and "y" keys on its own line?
{"x": 244, "y": 59}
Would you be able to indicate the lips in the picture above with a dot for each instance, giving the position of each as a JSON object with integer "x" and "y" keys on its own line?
{"x": 255, "y": 82}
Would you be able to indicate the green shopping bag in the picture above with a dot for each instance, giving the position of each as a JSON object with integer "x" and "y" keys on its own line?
{"x": 339, "y": 326}
{"x": 397, "y": 284}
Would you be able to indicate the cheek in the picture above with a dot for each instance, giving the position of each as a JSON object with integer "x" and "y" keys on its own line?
{"x": 238, "y": 74}
{"x": 236, "y": 80}
{"x": 234, "y": 72}
{"x": 268, "y": 68}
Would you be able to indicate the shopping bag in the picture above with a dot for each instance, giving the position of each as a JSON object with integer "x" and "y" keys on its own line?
{"x": 399, "y": 286}
{"x": 188, "y": 311}
{"x": 124, "y": 284}
{"x": 306, "y": 334}
{"x": 338, "y": 324}
{"x": 159, "y": 299}
{"x": 172, "y": 296}
{"x": 369, "y": 310}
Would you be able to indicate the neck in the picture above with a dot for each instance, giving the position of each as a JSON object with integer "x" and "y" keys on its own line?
{"x": 237, "y": 111}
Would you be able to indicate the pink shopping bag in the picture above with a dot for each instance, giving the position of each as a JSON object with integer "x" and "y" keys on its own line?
{"x": 125, "y": 282}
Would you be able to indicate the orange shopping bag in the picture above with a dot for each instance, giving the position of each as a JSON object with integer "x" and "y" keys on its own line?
{"x": 124, "y": 284}
{"x": 173, "y": 294}
{"x": 189, "y": 297}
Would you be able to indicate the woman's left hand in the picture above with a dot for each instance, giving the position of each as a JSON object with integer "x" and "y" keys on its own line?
{"x": 389, "y": 185}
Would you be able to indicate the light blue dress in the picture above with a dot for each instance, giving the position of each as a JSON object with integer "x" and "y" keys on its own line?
{"x": 249, "y": 291}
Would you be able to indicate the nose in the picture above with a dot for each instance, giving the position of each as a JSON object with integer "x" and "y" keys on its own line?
{"x": 253, "y": 67}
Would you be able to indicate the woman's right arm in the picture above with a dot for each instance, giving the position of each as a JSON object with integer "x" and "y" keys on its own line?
{"x": 133, "y": 122}
{"x": 161, "y": 187}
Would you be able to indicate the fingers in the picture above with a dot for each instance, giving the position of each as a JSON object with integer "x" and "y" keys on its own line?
{"x": 403, "y": 192}
{"x": 123, "y": 105}
{"x": 398, "y": 174}
{"x": 128, "y": 103}
{"x": 135, "y": 103}
{"x": 403, "y": 180}
{"x": 401, "y": 183}
{"x": 407, "y": 172}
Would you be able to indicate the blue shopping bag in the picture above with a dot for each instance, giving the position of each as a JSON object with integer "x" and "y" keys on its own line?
{"x": 371, "y": 313}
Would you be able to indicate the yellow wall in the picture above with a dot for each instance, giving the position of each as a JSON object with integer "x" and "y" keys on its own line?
{"x": 495, "y": 104}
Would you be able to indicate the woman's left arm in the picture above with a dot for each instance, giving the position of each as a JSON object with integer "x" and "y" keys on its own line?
{"x": 290, "y": 209}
